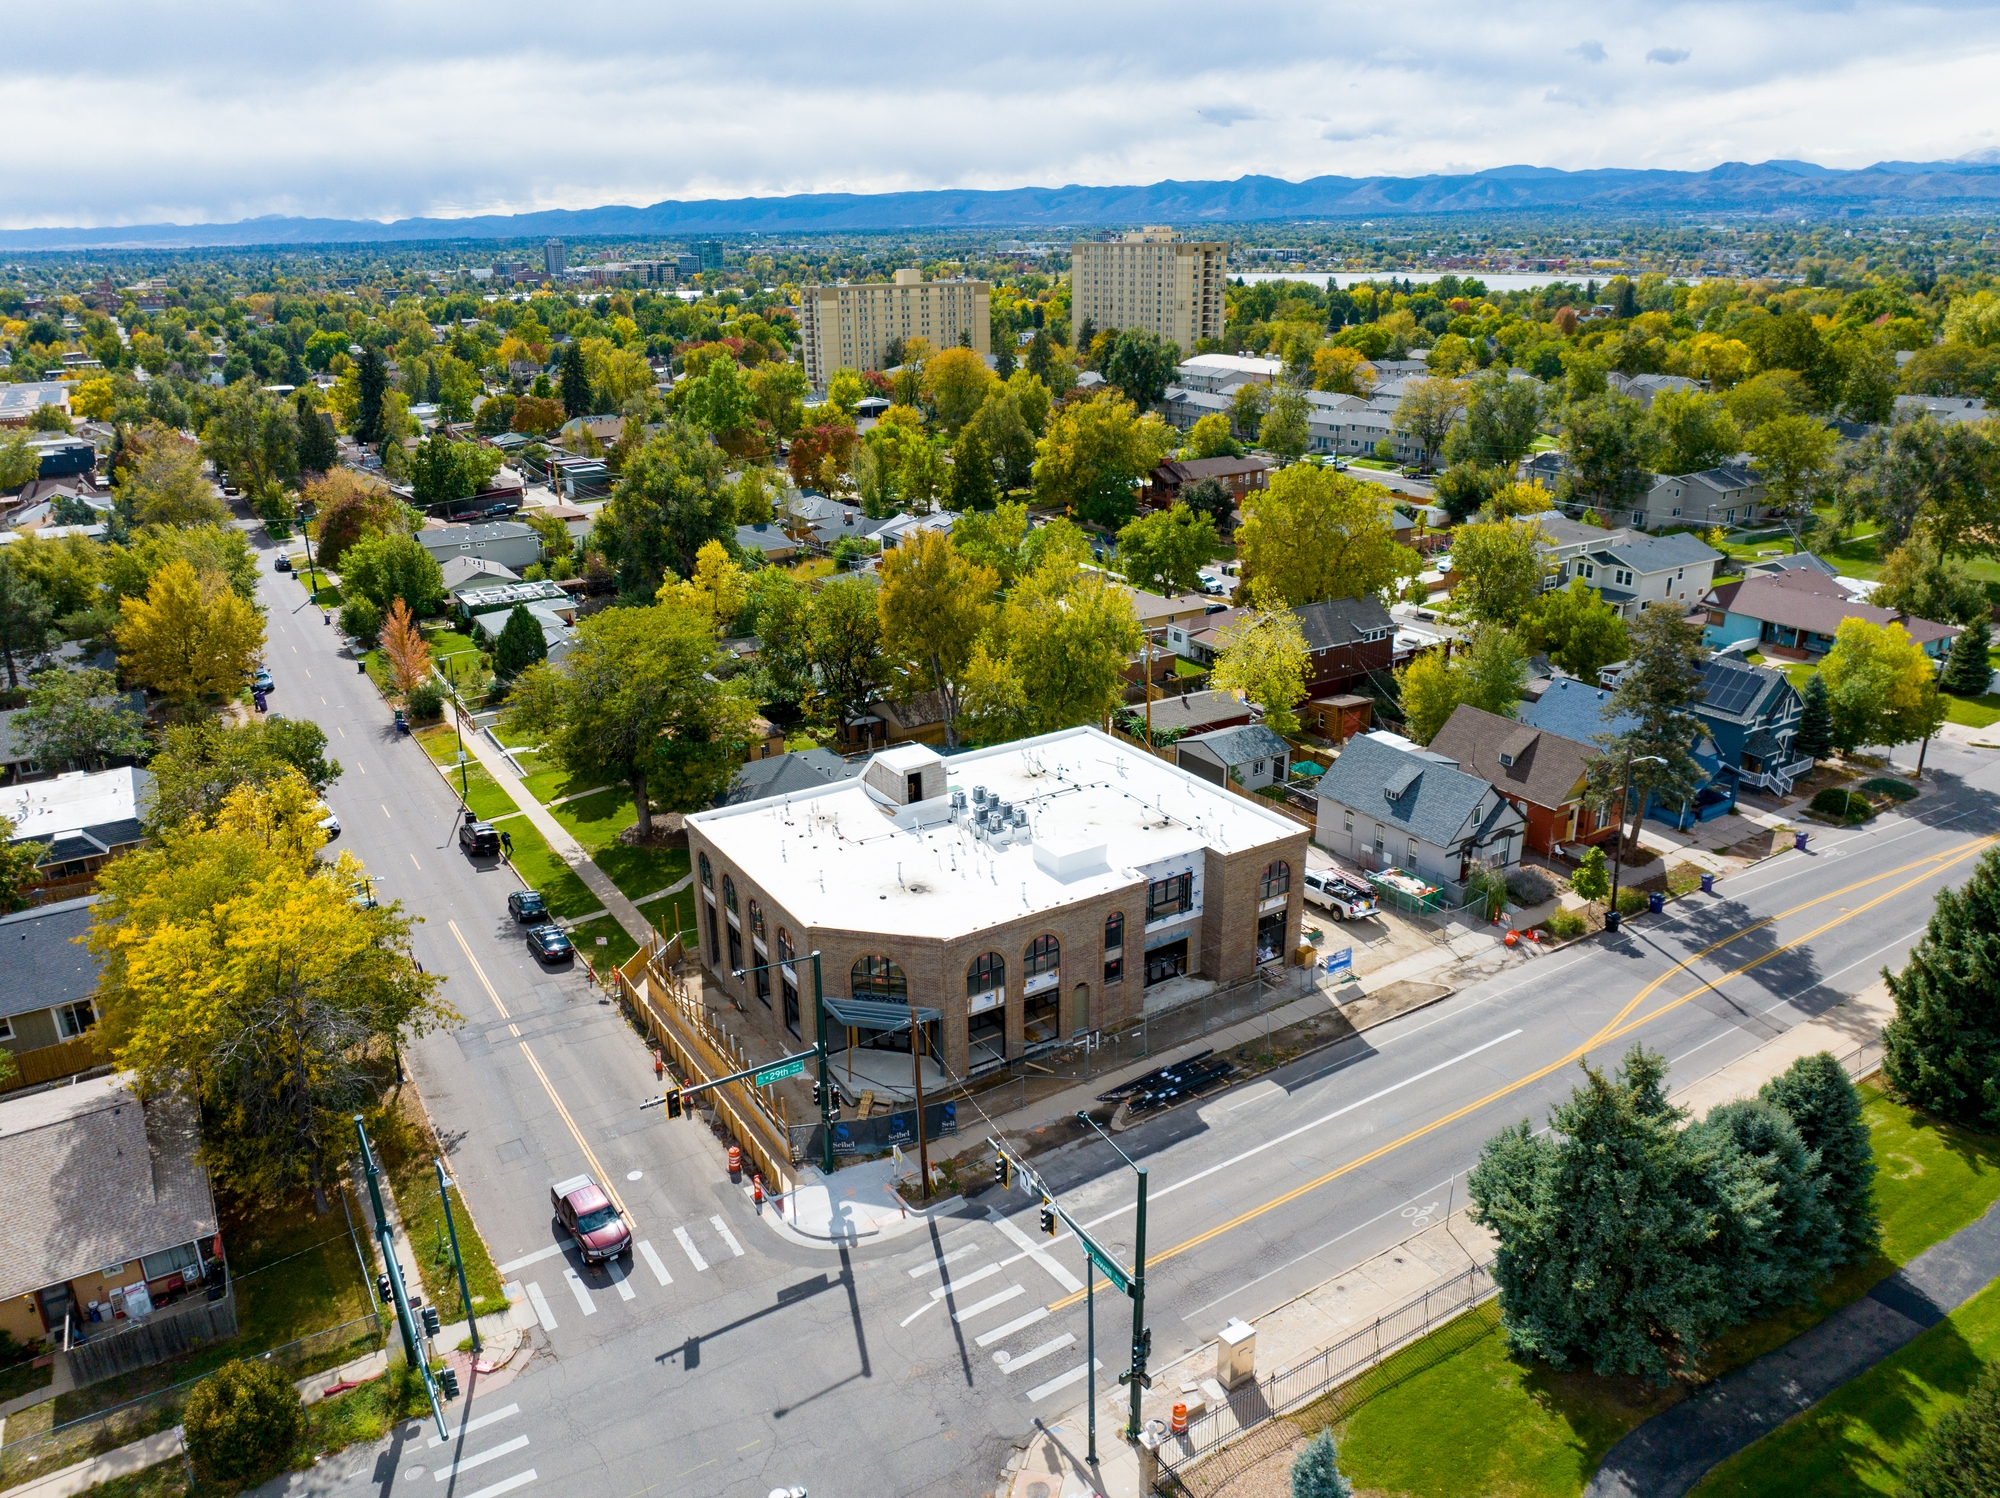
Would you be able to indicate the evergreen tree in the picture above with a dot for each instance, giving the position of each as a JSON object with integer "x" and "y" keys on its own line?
{"x": 1824, "y": 1106}
{"x": 575, "y": 382}
{"x": 1656, "y": 690}
{"x": 1085, "y": 336}
{"x": 373, "y": 379}
{"x": 1968, "y": 672}
{"x": 971, "y": 472}
{"x": 520, "y": 645}
{"x": 1004, "y": 361}
{"x": 317, "y": 452}
{"x": 1039, "y": 356}
{"x": 1960, "y": 1458}
{"x": 1815, "y": 732}
{"x": 1942, "y": 1050}
{"x": 1776, "y": 1233}
{"x": 1314, "y": 1472}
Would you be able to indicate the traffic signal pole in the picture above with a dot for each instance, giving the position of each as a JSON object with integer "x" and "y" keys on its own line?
{"x": 406, "y": 1316}
{"x": 464, "y": 1294}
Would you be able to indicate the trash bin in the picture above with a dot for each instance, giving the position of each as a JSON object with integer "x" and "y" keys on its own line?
{"x": 1236, "y": 1353}
{"x": 1708, "y": 884}
{"x": 1656, "y": 903}
{"x": 1612, "y": 920}
{"x": 1799, "y": 841}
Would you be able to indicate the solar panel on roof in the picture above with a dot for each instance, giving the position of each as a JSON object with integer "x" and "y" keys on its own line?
{"x": 1728, "y": 690}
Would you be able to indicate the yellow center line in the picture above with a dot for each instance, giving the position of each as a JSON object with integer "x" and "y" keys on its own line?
{"x": 1612, "y": 1030}
{"x": 602, "y": 1177}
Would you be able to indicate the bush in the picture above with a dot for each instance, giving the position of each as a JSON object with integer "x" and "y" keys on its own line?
{"x": 1631, "y": 901}
{"x": 242, "y": 1424}
{"x": 1895, "y": 790}
{"x": 1527, "y": 886}
{"x": 1958, "y": 1458}
{"x": 361, "y": 620}
{"x": 1563, "y": 924}
{"x": 1843, "y": 805}
{"x": 425, "y": 702}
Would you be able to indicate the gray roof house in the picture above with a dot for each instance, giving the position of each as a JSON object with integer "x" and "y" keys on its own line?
{"x": 1630, "y": 570}
{"x": 1729, "y": 495}
{"x": 461, "y": 572}
{"x": 508, "y": 542}
{"x": 1383, "y": 806}
{"x": 1251, "y": 755}
{"x": 50, "y": 979}
{"x": 798, "y": 773}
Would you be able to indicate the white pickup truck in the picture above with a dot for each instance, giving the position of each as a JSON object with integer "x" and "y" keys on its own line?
{"x": 1348, "y": 899}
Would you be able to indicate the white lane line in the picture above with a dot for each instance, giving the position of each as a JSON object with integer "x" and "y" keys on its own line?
{"x": 505, "y": 1485}
{"x": 688, "y": 1243}
{"x": 1040, "y": 1313}
{"x": 617, "y": 1273}
{"x": 1055, "y": 1385}
{"x": 1027, "y": 1245}
{"x": 542, "y": 1312}
{"x": 989, "y": 1303}
{"x": 653, "y": 1262}
{"x": 934, "y": 1265}
{"x": 727, "y": 1237}
{"x": 480, "y": 1459}
{"x": 534, "y": 1258}
{"x": 959, "y": 1284}
{"x": 575, "y": 1283}
{"x": 1724, "y": 1035}
{"x": 480, "y": 1424}
{"x": 1047, "y": 1349}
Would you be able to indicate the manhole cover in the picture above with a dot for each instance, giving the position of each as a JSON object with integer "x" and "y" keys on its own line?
{"x": 411, "y": 1474}
{"x": 1038, "y": 1490}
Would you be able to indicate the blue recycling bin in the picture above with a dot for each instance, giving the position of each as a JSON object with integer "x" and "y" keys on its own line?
{"x": 1656, "y": 903}
{"x": 1708, "y": 884}
{"x": 1799, "y": 841}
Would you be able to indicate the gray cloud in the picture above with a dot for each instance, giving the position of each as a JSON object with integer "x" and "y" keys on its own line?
{"x": 1668, "y": 55}
{"x": 1590, "y": 52}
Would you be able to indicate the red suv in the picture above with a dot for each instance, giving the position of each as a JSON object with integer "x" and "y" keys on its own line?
{"x": 587, "y": 1215}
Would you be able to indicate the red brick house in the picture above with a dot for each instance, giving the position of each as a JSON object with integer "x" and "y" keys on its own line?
{"x": 1348, "y": 638}
{"x": 1541, "y": 773}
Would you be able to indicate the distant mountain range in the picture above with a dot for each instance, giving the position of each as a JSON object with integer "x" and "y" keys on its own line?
{"x": 1889, "y": 186}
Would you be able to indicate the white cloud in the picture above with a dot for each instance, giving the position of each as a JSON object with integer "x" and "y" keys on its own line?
{"x": 235, "y": 109}
{"x": 1668, "y": 55}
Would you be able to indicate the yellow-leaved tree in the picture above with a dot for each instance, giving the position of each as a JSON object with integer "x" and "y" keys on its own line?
{"x": 718, "y": 588}
{"x": 1316, "y": 534}
{"x": 1265, "y": 658}
{"x": 1054, "y": 657}
{"x": 190, "y": 636}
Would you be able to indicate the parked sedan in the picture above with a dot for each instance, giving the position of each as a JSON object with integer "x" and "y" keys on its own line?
{"x": 283, "y": 564}
{"x": 549, "y": 943}
{"x": 527, "y": 905}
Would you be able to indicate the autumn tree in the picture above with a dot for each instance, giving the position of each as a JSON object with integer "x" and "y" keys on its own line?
{"x": 934, "y": 602}
{"x": 1054, "y": 656}
{"x": 1165, "y": 550}
{"x": 1096, "y": 451}
{"x": 718, "y": 588}
{"x": 1489, "y": 674}
{"x": 1577, "y": 630}
{"x": 955, "y": 386}
{"x": 167, "y": 485}
{"x": 1265, "y": 659}
{"x": 671, "y": 500}
{"x": 1316, "y": 534}
{"x": 1497, "y": 570}
{"x": 190, "y": 636}
{"x": 350, "y": 507}
{"x": 1881, "y": 687}
{"x": 202, "y": 762}
{"x": 404, "y": 645}
{"x": 1429, "y": 409}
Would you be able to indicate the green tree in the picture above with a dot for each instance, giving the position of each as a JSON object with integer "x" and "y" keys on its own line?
{"x": 1823, "y": 1103}
{"x": 384, "y": 568}
{"x": 317, "y": 451}
{"x": 1690, "y": 430}
{"x": 1968, "y": 672}
{"x": 636, "y": 702}
{"x": 1008, "y": 435}
{"x": 669, "y": 502}
{"x": 243, "y": 1424}
{"x": 1039, "y": 355}
{"x": 781, "y": 615}
{"x": 1503, "y": 416}
{"x": 1881, "y": 687}
{"x": 1209, "y": 438}
{"x": 26, "y": 614}
{"x": 1466, "y": 488}
{"x": 166, "y": 485}
{"x": 1577, "y": 629}
{"x": 1960, "y": 1455}
{"x": 17, "y": 874}
{"x": 934, "y": 603}
{"x": 1489, "y": 674}
{"x": 1656, "y": 691}
{"x": 1429, "y": 409}
{"x": 1814, "y": 738}
{"x": 520, "y": 644}
{"x": 1212, "y": 498}
{"x": 1315, "y": 1472}
{"x": 1286, "y": 431}
{"x": 1592, "y": 878}
{"x": 1142, "y": 365}
{"x": 1942, "y": 1050}
{"x": 372, "y": 380}
{"x": 443, "y": 470}
{"x": 1796, "y": 458}
{"x": 1604, "y": 441}
{"x": 1316, "y": 534}
{"x": 1498, "y": 571}
{"x": 971, "y": 471}
{"x": 845, "y": 640}
{"x": 1095, "y": 452}
{"x": 1919, "y": 580}
{"x": 19, "y": 462}
{"x": 75, "y": 720}
{"x": 719, "y": 400}
{"x": 201, "y": 762}
{"x": 1774, "y": 1227}
{"x": 1164, "y": 551}
{"x": 575, "y": 381}
{"x": 1054, "y": 656}
{"x": 1925, "y": 472}
{"x": 1265, "y": 658}
{"x": 1247, "y": 408}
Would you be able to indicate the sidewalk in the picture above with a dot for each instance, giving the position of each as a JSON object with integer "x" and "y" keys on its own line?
{"x": 1293, "y": 1332}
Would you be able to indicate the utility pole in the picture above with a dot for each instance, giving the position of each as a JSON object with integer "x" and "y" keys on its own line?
{"x": 1612, "y": 919}
{"x": 387, "y": 1239}
{"x": 458, "y": 1262}
{"x": 917, "y": 1082}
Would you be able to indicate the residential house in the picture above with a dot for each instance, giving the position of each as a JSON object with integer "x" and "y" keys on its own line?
{"x": 1251, "y": 756}
{"x": 1731, "y": 495}
{"x": 498, "y": 600}
{"x": 1240, "y": 476}
{"x": 1157, "y": 614}
{"x": 557, "y": 635}
{"x": 18, "y": 401}
{"x": 17, "y": 762}
{"x": 1630, "y": 570}
{"x": 770, "y": 540}
{"x": 463, "y": 573}
{"x": 1349, "y": 639}
{"x": 1644, "y": 388}
{"x": 1195, "y": 713}
{"x": 1944, "y": 408}
{"x": 1578, "y": 710}
{"x": 1796, "y": 613}
{"x": 508, "y": 542}
{"x": 1220, "y": 374}
{"x": 1772, "y": 566}
{"x": 49, "y": 995}
{"x": 82, "y": 819}
{"x": 1542, "y": 773}
{"x": 1183, "y": 408}
{"x": 1752, "y": 714}
{"x": 1383, "y": 806}
{"x": 800, "y": 772}
{"x": 110, "y": 1219}
{"x": 888, "y": 721}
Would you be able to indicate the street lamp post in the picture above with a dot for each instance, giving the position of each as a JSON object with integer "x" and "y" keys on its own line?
{"x": 1612, "y": 919}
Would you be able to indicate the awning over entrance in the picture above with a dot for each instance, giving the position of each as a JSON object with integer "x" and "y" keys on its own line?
{"x": 876, "y": 1014}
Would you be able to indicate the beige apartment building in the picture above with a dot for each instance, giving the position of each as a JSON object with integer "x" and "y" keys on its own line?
{"x": 850, "y": 326}
{"x": 1151, "y": 279}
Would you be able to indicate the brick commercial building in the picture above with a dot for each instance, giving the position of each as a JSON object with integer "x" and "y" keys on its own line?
{"x": 851, "y": 325}
{"x": 1018, "y": 896}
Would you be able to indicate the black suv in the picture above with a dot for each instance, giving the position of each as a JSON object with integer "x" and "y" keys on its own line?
{"x": 477, "y": 838}
{"x": 549, "y": 943}
{"x": 526, "y": 905}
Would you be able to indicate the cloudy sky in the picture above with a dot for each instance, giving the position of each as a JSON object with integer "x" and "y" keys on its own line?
{"x": 230, "y": 109}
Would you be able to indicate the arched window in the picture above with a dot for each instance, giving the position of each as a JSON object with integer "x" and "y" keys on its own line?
{"x": 1277, "y": 880}
{"x": 784, "y": 945}
{"x": 756, "y": 920}
{"x": 707, "y": 874}
{"x": 1114, "y": 931}
{"x": 729, "y": 894}
{"x": 986, "y": 974}
{"x": 880, "y": 979}
{"x": 1044, "y": 955}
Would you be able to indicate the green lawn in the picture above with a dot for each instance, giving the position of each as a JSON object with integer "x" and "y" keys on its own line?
{"x": 1184, "y": 667}
{"x": 1857, "y": 1439}
{"x": 618, "y": 943}
{"x": 675, "y": 913}
{"x": 566, "y": 894}
{"x": 1453, "y": 1414}
{"x": 547, "y": 782}
{"x": 1973, "y": 712}
{"x": 596, "y": 820}
{"x": 408, "y": 1151}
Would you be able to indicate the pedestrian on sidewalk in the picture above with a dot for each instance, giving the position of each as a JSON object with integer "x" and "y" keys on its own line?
{"x": 507, "y": 842}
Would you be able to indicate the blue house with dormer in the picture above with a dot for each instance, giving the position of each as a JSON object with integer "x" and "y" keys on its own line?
{"x": 1577, "y": 710}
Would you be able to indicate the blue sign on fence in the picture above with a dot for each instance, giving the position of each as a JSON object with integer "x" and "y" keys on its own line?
{"x": 900, "y": 1131}
{"x": 948, "y": 1120}
{"x": 843, "y": 1139}
{"x": 1340, "y": 962}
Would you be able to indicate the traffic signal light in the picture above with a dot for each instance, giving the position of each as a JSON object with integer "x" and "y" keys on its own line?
{"x": 816, "y": 1092}
{"x": 1142, "y": 1348}
{"x": 1048, "y": 1217}
{"x": 1003, "y": 1172}
{"x": 432, "y": 1326}
{"x": 447, "y": 1382}
{"x": 674, "y": 1105}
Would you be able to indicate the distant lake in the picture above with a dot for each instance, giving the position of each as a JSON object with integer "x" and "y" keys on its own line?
{"x": 1494, "y": 280}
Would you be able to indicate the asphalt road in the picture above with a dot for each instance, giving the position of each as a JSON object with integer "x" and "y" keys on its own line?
{"x": 728, "y": 1360}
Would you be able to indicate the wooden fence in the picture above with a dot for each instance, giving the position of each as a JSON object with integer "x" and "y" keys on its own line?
{"x": 667, "y": 1002}
{"x": 51, "y": 1063}
{"x": 164, "y": 1334}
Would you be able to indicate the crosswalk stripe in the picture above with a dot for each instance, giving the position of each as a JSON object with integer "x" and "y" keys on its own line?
{"x": 542, "y": 1312}
{"x": 653, "y": 1262}
{"x": 989, "y": 1303}
{"x": 505, "y": 1485}
{"x": 617, "y": 1271}
{"x": 971, "y": 1279}
{"x": 534, "y": 1258}
{"x": 1022, "y": 1241}
{"x": 727, "y": 1237}
{"x": 575, "y": 1283}
{"x": 480, "y": 1423}
{"x": 688, "y": 1243}
{"x": 479, "y": 1459}
{"x": 1008, "y": 1365}
{"x": 932, "y": 1266}
{"x": 1038, "y": 1314}
{"x": 1054, "y": 1386}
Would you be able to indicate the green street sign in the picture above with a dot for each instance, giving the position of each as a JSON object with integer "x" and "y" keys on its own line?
{"x": 779, "y": 1072}
{"x": 1104, "y": 1261}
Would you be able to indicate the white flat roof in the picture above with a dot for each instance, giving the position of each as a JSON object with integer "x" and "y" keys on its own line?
{"x": 48, "y": 808}
{"x": 842, "y": 857}
{"x": 1233, "y": 362}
